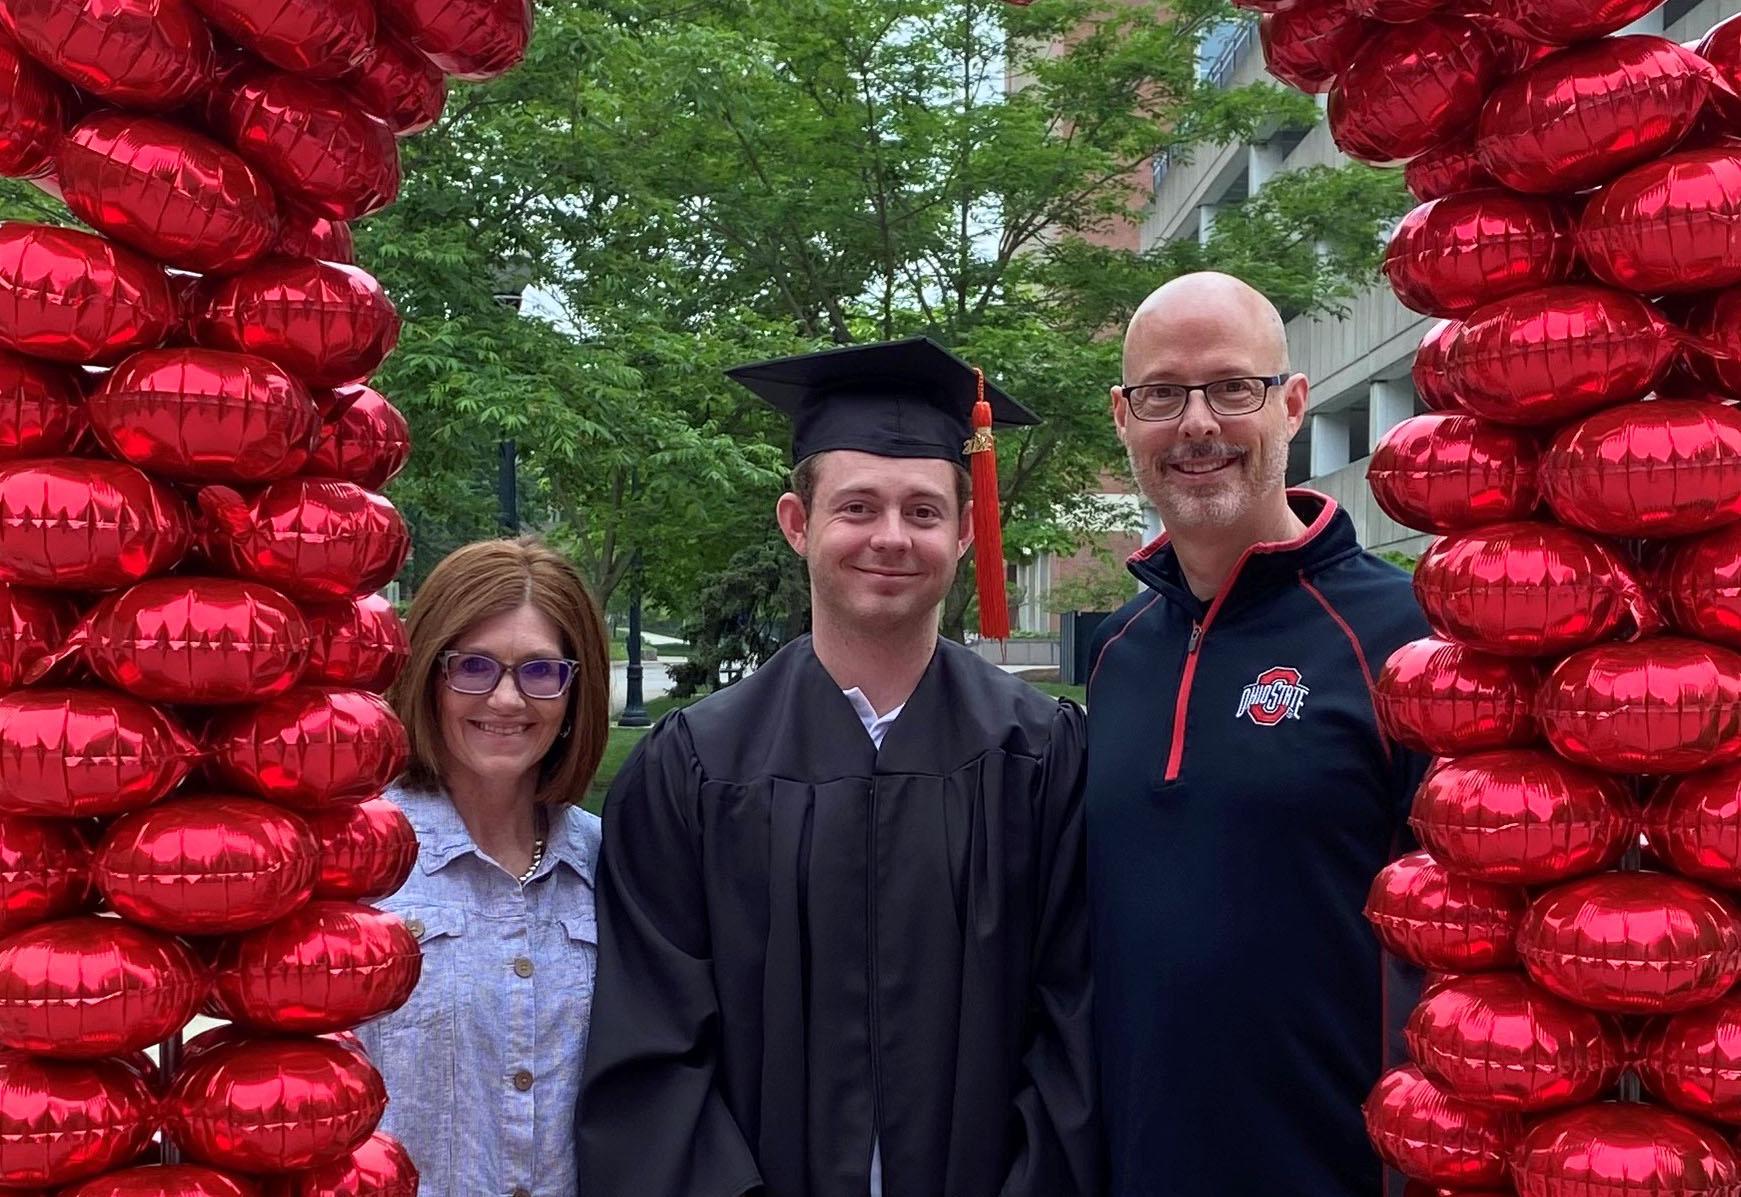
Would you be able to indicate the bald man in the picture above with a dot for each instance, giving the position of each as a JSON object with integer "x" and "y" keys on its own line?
{"x": 1241, "y": 795}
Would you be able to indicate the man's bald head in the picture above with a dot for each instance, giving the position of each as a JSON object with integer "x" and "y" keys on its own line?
{"x": 1211, "y": 311}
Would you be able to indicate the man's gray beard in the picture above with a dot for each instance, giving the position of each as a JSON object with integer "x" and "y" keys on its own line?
{"x": 1221, "y": 507}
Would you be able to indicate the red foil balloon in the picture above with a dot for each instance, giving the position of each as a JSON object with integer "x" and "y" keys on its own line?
{"x": 41, "y": 408}
{"x": 1632, "y": 943}
{"x": 170, "y": 193}
{"x": 1410, "y": 88}
{"x": 1721, "y": 47}
{"x": 1311, "y": 42}
{"x": 326, "y": 323}
{"x": 325, "y": 967}
{"x": 379, "y": 1168}
{"x": 312, "y": 538}
{"x": 1529, "y": 589}
{"x": 355, "y": 642}
{"x": 302, "y": 234}
{"x": 1449, "y": 256}
{"x": 1694, "y": 825}
{"x": 90, "y": 986}
{"x": 1624, "y": 1149}
{"x": 1693, "y": 1060}
{"x": 368, "y": 444}
{"x": 1662, "y": 705}
{"x": 207, "y": 865}
{"x": 1447, "y": 168}
{"x": 1434, "y": 918}
{"x": 45, "y": 871}
{"x": 1548, "y": 356}
{"x": 74, "y": 524}
{"x": 194, "y": 640}
{"x": 276, "y": 1104}
{"x": 33, "y": 112}
{"x": 1500, "y": 1041}
{"x": 1431, "y": 381}
{"x": 1666, "y": 468}
{"x": 63, "y": 1121}
{"x": 310, "y": 748}
{"x": 1701, "y": 586}
{"x": 1443, "y": 473}
{"x": 74, "y": 753}
{"x": 1443, "y": 698}
{"x": 32, "y": 625}
{"x": 366, "y": 851}
{"x": 73, "y": 297}
{"x": 1583, "y": 116}
{"x": 1427, "y": 1133}
{"x": 150, "y": 54}
{"x": 1562, "y": 22}
{"x": 1668, "y": 226}
{"x": 1713, "y": 349}
{"x": 1522, "y": 817}
{"x": 312, "y": 140}
{"x": 398, "y": 84}
{"x": 1397, "y": 12}
{"x": 165, "y": 1180}
{"x": 313, "y": 37}
{"x": 470, "y": 39}
{"x": 202, "y": 415}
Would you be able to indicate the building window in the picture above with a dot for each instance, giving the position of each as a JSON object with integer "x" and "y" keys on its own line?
{"x": 1221, "y": 49}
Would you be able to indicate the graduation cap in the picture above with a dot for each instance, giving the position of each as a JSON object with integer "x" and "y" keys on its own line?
{"x": 909, "y": 398}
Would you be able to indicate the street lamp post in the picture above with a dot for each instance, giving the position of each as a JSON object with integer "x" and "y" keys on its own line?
{"x": 512, "y": 279}
{"x": 634, "y": 706}
{"x": 508, "y": 487}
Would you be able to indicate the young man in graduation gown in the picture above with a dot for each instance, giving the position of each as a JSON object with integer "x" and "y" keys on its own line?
{"x": 843, "y": 945}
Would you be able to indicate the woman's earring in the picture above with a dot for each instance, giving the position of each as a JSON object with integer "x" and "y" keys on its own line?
{"x": 566, "y": 728}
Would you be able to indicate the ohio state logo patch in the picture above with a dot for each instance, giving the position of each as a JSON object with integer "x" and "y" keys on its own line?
{"x": 1276, "y": 695}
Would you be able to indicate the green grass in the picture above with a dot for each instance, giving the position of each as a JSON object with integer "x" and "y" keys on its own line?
{"x": 1059, "y": 690}
{"x": 665, "y": 652}
{"x": 623, "y": 739}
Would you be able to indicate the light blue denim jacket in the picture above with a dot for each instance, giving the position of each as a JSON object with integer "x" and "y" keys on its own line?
{"x": 483, "y": 1063}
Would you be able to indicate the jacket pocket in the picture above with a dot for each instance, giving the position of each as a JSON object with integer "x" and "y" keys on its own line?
{"x": 416, "y": 1047}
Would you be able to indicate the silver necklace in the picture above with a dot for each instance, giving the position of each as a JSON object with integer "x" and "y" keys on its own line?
{"x": 537, "y": 857}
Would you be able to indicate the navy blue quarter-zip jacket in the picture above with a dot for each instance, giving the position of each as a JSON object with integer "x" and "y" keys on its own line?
{"x": 1240, "y": 800}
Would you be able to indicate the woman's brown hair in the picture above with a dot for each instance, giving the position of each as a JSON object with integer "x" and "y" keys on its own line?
{"x": 490, "y": 578}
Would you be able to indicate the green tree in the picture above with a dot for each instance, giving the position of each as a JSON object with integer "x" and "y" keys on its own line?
{"x": 687, "y": 185}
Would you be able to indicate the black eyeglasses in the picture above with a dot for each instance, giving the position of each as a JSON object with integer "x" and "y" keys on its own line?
{"x": 1226, "y": 396}
{"x": 480, "y": 673}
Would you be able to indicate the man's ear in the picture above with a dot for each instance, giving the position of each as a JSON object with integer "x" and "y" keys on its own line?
{"x": 1118, "y": 411}
{"x": 1294, "y": 400}
{"x": 794, "y": 521}
{"x": 964, "y": 534}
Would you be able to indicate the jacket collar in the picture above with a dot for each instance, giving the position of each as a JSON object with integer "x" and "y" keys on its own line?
{"x": 1329, "y": 537}
{"x": 572, "y": 837}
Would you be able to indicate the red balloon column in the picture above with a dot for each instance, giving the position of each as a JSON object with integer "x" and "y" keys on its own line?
{"x": 1580, "y": 195}
{"x": 192, "y": 746}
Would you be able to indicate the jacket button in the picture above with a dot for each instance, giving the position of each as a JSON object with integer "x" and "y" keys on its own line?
{"x": 522, "y": 1080}
{"x": 415, "y": 926}
{"x": 522, "y": 1191}
{"x": 522, "y": 967}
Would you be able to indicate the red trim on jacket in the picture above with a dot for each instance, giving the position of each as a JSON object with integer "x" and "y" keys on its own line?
{"x": 1359, "y": 655}
{"x": 1182, "y": 706}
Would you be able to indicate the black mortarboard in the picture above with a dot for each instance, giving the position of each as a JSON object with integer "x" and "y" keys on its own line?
{"x": 910, "y": 398}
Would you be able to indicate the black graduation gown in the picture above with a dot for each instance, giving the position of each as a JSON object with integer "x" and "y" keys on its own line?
{"x": 806, "y": 944}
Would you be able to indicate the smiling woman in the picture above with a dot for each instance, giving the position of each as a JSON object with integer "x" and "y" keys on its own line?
{"x": 505, "y": 699}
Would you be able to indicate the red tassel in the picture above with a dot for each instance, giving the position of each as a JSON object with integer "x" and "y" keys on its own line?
{"x": 988, "y": 563}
